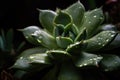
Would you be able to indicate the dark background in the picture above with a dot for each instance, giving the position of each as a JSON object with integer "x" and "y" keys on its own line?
{"x": 22, "y": 13}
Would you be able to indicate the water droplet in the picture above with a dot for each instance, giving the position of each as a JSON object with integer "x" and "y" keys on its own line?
{"x": 94, "y": 16}
{"x": 21, "y": 57}
{"x": 112, "y": 35}
{"x": 85, "y": 64}
{"x": 80, "y": 65}
{"x": 91, "y": 59}
{"x": 99, "y": 43}
{"x": 89, "y": 22}
{"x": 101, "y": 18}
{"x": 79, "y": 7}
{"x": 31, "y": 57}
{"x": 103, "y": 45}
{"x": 39, "y": 41}
{"x": 107, "y": 40}
{"x": 26, "y": 37}
{"x": 106, "y": 69}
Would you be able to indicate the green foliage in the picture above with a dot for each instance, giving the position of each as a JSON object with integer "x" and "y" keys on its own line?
{"x": 71, "y": 40}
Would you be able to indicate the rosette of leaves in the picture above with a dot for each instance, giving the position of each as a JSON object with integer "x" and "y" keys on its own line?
{"x": 69, "y": 41}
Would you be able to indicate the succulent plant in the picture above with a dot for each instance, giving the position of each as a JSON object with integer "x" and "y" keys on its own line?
{"x": 71, "y": 40}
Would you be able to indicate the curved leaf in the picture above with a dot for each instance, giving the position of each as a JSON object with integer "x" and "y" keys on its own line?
{"x": 28, "y": 31}
{"x": 75, "y": 48}
{"x": 100, "y": 40}
{"x": 92, "y": 20}
{"x": 110, "y": 62}
{"x": 25, "y": 64}
{"x": 63, "y": 42}
{"x": 87, "y": 59}
{"x": 58, "y": 55}
{"x": 46, "y": 18}
{"x": 77, "y": 12}
{"x": 62, "y": 18}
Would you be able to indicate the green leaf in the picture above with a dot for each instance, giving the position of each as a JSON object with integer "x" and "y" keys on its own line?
{"x": 58, "y": 55}
{"x": 39, "y": 58}
{"x": 45, "y": 39}
{"x": 46, "y": 18}
{"x": 63, "y": 42}
{"x": 28, "y": 31}
{"x": 39, "y": 36}
{"x": 110, "y": 62}
{"x": 24, "y": 63}
{"x": 77, "y": 12}
{"x": 62, "y": 18}
{"x": 75, "y": 48}
{"x": 69, "y": 72}
{"x": 59, "y": 29}
{"x": 92, "y": 20}
{"x": 81, "y": 35}
{"x": 87, "y": 59}
{"x": 100, "y": 40}
{"x": 114, "y": 44}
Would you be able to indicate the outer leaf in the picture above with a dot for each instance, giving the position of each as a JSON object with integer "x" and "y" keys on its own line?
{"x": 25, "y": 64}
{"x": 69, "y": 72}
{"x": 115, "y": 43}
{"x": 40, "y": 58}
{"x": 93, "y": 19}
{"x": 75, "y": 48}
{"x": 58, "y": 55}
{"x": 100, "y": 40}
{"x": 46, "y": 18}
{"x": 39, "y": 36}
{"x": 27, "y": 33}
{"x": 63, "y": 42}
{"x": 76, "y": 11}
{"x": 62, "y": 18}
{"x": 87, "y": 59}
{"x": 110, "y": 62}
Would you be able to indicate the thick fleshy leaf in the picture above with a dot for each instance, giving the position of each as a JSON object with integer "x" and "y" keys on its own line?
{"x": 46, "y": 18}
{"x": 58, "y": 55}
{"x": 69, "y": 72}
{"x": 92, "y": 20}
{"x": 77, "y": 12}
{"x": 110, "y": 62}
{"x": 39, "y": 36}
{"x": 27, "y": 33}
{"x": 114, "y": 44}
{"x": 75, "y": 48}
{"x": 63, "y": 42}
{"x": 25, "y": 64}
{"x": 72, "y": 28}
{"x": 40, "y": 58}
{"x": 62, "y": 18}
{"x": 59, "y": 29}
{"x": 100, "y": 40}
{"x": 45, "y": 39}
{"x": 87, "y": 59}
{"x": 81, "y": 36}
